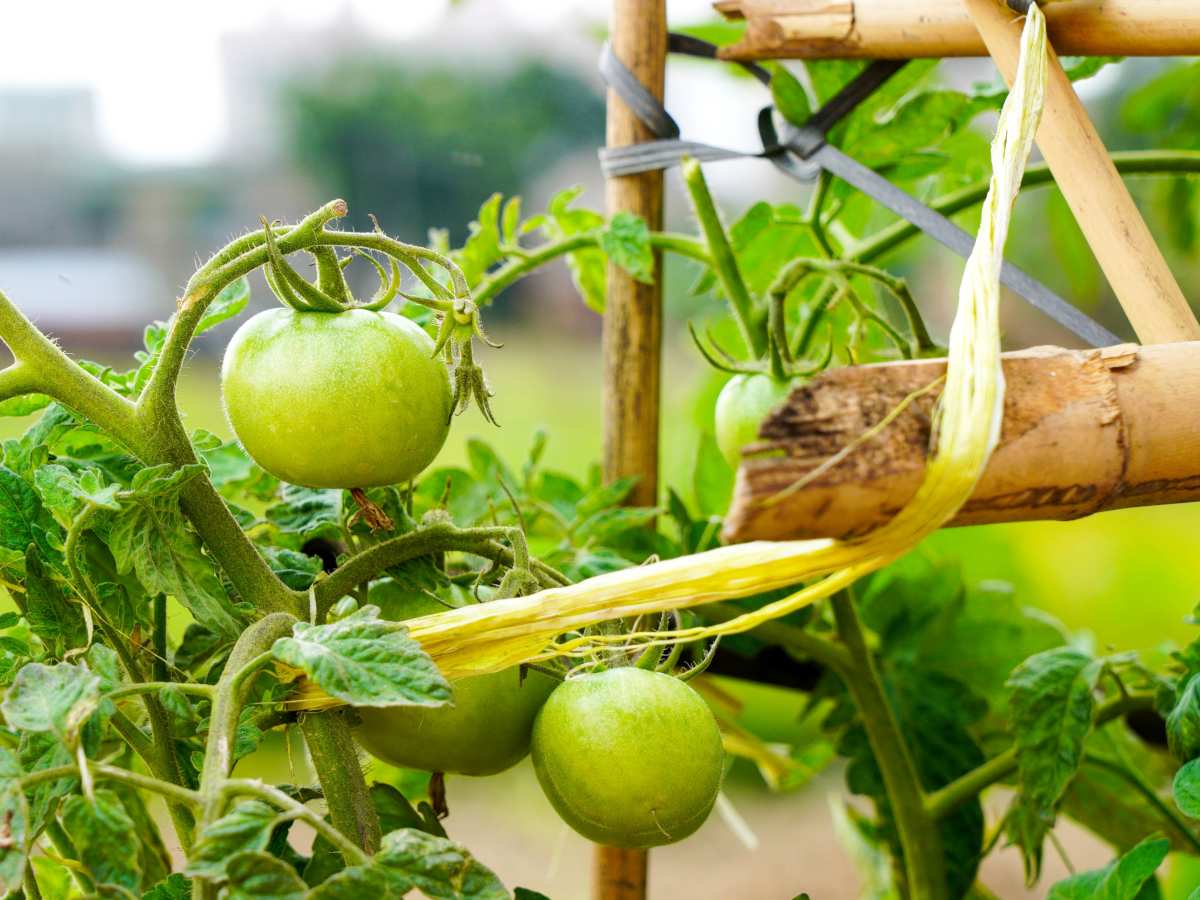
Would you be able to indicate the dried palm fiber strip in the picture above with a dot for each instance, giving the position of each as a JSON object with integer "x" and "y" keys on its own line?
{"x": 488, "y": 637}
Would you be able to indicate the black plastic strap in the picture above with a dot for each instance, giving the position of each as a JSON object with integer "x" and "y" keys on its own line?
{"x": 811, "y": 136}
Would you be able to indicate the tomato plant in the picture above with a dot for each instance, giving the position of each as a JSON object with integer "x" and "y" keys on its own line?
{"x": 302, "y": 562}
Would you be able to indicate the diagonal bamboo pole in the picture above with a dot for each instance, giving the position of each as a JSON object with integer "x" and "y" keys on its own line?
{"x": 632, "y": 341}
{"x": 1103, "y": 207}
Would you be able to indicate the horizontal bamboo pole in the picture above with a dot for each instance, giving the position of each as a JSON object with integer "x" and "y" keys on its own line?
{"x": 1084, "y": 431}
{"x": 907, "y": 29}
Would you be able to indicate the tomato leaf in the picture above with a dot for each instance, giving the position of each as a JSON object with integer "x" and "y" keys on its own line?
{"x": 51, "y": 615}
{"x": 57, "y": 698}
{"x": 1122, "y": 879}
{"x": 363, "y": 660}
{"x": 1186, "y": 789}
{"x": 175, "y": 887}
{"x": 25, "y": 405}
{"x": 712, "y": 479}
{"x": 587, "y": 265}
{"x": 150, "y": 537}
{"x": 626, "y": 242}
{"x": 246, "y": 827}
{"x": 437, "y": 867}
{"x": 228, "y": 303}
{"x": 105, "y": 837}
{"x": 253, "y": 874}
{"x": 482, "y": 249}
{"x": 1183, "y": 722}
{"x": 297, "y": 570}
{"x": 308, "y": 512}
{"x": 14, "y": 812}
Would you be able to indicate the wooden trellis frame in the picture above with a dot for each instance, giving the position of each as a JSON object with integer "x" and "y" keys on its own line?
{"x": 1129, "y": 439}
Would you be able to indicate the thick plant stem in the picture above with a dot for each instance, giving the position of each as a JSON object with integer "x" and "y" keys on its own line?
{"x": 919, "y": 838}
{"x": 335, "y": 759}
{"x": 227, "y": 707}
{"x": 749, "y": 317}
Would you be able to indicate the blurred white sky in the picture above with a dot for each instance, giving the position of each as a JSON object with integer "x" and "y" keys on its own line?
{"x": 155, "y": 67}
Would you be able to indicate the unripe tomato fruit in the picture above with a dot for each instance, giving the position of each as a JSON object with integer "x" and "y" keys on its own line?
{"x": 741, "y": 407}
{"x": 628, "y": 757}
{"x": 486, "y": 731}
{"x": 336, "y": 400}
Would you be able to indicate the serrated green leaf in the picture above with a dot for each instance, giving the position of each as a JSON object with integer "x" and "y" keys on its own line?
{"x": 1186, "y": 789}
{"x": 626, "y": 242}
{"x": 482, "y": 248}
{"x": 363, "y": 660}
{"x": 105, "y": 837}
{"x": 54, "y": 617}
{"x": 295, "y": 569}
{"x": 20, "y": 511}
{"x": 607, "y": 525}
{"x": 65, "y": 492}
{"x": 150, "y": 537}
{"x": 511, "y": 219}
{"x": 259, "y": 875}
{"x": 307, "y": 511}
{"x": 1119, "y": 880}
{"x": 1051, "y": 706}
{"x": 1183, "y": 722}
{"x": 25, "y": 405}
{"x": 176, "y": 887}
{"x": 228, "y": 303}
{"x": 14, "y": 813}
{"x": 438, "y": 868}
{"x": 587, "y": 266}
{"x": 246, "y": 827}
{"x": 56, "y": 698}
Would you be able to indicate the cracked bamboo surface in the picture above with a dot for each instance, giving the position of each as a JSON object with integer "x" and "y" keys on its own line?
{"x": 1083, "y": 431}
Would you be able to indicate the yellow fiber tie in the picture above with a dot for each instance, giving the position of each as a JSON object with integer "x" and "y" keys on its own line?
{"x": 487, "y": 637}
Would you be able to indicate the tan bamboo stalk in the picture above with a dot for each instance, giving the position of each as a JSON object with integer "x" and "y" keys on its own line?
{"x": 1083, "y": 432}
{"x": 1106, "y": 213}
{"x": 906, "y": 29}
{"x": 632, "y": 341}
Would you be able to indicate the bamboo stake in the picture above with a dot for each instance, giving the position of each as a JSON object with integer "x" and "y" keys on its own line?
{"x": 907, "y": 29}
{"x": 1084, "y": 431}
{"x": 1089, "y": 182}
{"x": 632, "y": 341}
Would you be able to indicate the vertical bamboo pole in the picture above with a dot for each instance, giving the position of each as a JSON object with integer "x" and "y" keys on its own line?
{"x": 632, "y": 341}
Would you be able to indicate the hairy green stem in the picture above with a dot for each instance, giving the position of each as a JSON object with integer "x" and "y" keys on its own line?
{"x": 335, "y": 759}
{"x": 920, "y": 841}
{"x": 746, "y": 313}
{"x": 945, "y": 800}
{"x": 101, "y": 771}
{"x": 235, "y": 787}
{"x": 1151, "y": 162}
{"x": 227, "y": 703}
{"x": 513, "y": 271}
{"x": 439, "y": 538}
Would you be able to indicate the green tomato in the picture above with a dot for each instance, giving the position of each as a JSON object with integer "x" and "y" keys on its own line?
{"x": 486, "y": 731}
{"x": 741, "y": 407}
{"x": 629, "y": 757}
{"x": 336, "y": 400}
